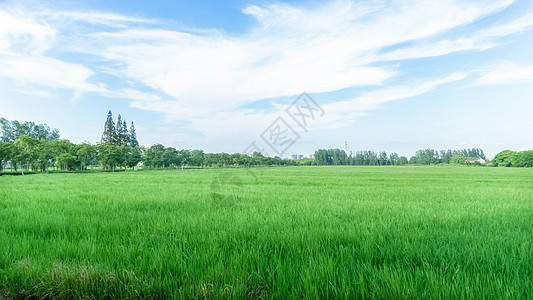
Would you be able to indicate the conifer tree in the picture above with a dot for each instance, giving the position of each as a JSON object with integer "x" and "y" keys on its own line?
{"x": 119, "y": 134}
{"x": 133, "y": 136}
{"x": 109, "y": 135}
{"x": 125, "y": 134}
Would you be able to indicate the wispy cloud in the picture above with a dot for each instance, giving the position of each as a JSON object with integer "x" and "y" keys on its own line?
{"x": 478, "y": 40}
{"x": 291, "y": 49}
{"x": 342, "y": 113}
{"x": 506, "y": 73}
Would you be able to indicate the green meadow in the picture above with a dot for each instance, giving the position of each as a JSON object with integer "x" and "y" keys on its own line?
{"x": 282, "y": 233}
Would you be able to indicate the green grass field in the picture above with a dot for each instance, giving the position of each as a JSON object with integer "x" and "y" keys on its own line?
{"x": 302, "y": 232}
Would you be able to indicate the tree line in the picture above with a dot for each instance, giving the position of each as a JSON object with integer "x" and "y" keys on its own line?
{"x": 161, "y": 157}
{"x": 36, "y": 147}
{"x": 371, "y": 158}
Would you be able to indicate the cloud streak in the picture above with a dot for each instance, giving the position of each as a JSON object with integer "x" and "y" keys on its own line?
{"x": 506, "y": 73}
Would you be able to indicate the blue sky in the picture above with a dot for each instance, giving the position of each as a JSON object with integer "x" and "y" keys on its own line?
{"x": 389, "y": 75}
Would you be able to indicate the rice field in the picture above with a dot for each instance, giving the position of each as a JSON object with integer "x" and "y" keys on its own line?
{"x": 281, "y": 233}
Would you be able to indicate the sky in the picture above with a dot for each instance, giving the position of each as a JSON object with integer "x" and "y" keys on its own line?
{"x": 392, "y": 76}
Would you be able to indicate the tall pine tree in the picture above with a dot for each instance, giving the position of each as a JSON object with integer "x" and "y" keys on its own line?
{"x": 125, "y": 134}
{"x": 133, "y": 136}
{"x": 109, "y": 135}
{"x": 119, "y": 134}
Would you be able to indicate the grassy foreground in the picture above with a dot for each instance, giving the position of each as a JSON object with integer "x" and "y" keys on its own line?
{"x": 304, "y": 232}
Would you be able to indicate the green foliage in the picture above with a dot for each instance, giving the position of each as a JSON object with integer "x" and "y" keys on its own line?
{"x": 403, "y": 161}
{"x": 66, "y": 161}
{"x": 109, "y": 136}
{"x": 133, "y": 136}
{"x": 118, "y": 134}
{"x": 110, "y": 156}
{"x": 504, "y": 158}
{"x": 5, "y": 153}
{"x": 394, "y": 159}
{"x": 427, "y": 157}
{"x": 87, "y": 155}
{"x": 133, "y": 156}
{"x": 11, "y": 131}
{"x": 23, "y": 151}
{"x": 45, "y": 156}
{"x": 298, "y": 233}
{"x": 458, "y": 159}
{"x": 523, "y": 159}
{"x": 331, "y": 157}
{"x": 122, "y": 136}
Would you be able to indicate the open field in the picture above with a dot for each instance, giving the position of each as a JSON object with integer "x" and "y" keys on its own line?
{"x": 301, "y": 232}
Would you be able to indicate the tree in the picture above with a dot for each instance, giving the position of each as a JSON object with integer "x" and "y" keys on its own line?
{"x": 504, "y": 158}
{"x": 383, "y": 159}
{"x": 402, "y": 161}
{"x": 126, "y": 134}
{"x": 65, "y": 154}
{"x": 426, "y": 157}
{"x": 321, "y": 157}
{"x": 446, "y": 156}
{"x": 109, "y": 155}
{"x": 523, "y": 159}
{"x": 338, "y": 157}
{"x": 87, "y": 155}
{"x": 6, "y": 131}
{"x": 109, "y": 135}
{"x": 394, "y": 158}
{"x": 10, "y": 131}
{"x": 66, "y": 161}
{"x": 133, "y": 156}
{"x": 119, "y": 132}
{"x": 458, "y": 159}
{"x": 122, "y": 135}
{"x": 153, "y": 157}
{"x": 24, "y": 151}
{"x": 196, "y": 158}
{"x": 5, "y": 153}
{"x": 133, "y": 136}
{"x": 45, "y": 155}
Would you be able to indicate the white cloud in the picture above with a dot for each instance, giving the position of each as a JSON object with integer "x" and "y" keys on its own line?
{"x": 205, "y": 77}
{"x": 48, "y": 72}
{"x": 19, "y": 31}
{"x": 24, "y": 41}
{"x": 292, "y": 49}
{"x": 506, "y": 73}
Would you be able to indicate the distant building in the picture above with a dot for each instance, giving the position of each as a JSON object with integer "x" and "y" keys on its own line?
{"x": 479, "y": 160}
{"x": 299, "y": 156}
